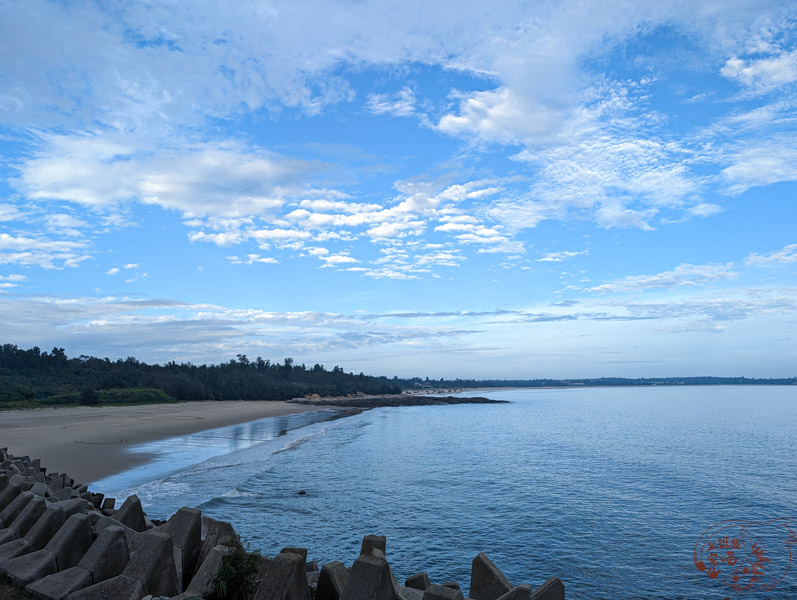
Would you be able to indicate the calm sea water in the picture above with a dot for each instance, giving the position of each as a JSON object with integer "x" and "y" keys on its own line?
{"x": 609, "y": 489}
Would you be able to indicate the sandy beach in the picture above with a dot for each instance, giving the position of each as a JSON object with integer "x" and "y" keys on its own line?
{"x": 90, "y": 443}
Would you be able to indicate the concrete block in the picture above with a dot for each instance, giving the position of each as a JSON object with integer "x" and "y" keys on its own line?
{"x": 152, "y": 563}
{"x": 109, "y": 503}
{"x": 552, "y": 589}
{"x": 71, "y": 507}
{"x": 16, "y": 506}
{"x": 45, "y": 528}
{"x": 96, "y": 500}
{"x": 71, "y": 542}
{"x": 419, "y": 581}
{"x": 108, "y": 555}
{"x": 407, "y": 593}
{"x": 100, "y": 522}
{"x": 520, "y": 592}
{"x": 373, "y": 541}
{"x": 41, "y": 489}
{"x": 216, "y": 533}
{"x": 185, "y": 527}
{"x": 300, "y": 551}
{"x": 29, "y": 516}
{"x": 118, "y": 588}
{"x": 312, "y": 580}
{"x": 283, "y": 578}
{"x": 30, "y": 567}
{"x": 131, "y": 514}
{"x": 370, "y": 579}
{"x": 14, "y": 548}
{"x": 59, "y": 585}
{"x": 451, "y": 584}
{"x": 440, "y": 592}
{"x": 202, "y": 582}
{"x": 63, "y": 494}
{"x": 486, "y": 580}
{"x": 331, "y": 581}
{"x": 3, "y": 481}
{"x": 57, "y": 483}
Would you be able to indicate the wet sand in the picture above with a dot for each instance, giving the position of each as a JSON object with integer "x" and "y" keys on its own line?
{"x": 90, "y": 443}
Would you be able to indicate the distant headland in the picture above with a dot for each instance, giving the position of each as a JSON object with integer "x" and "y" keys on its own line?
{"x": 32, "y": 378}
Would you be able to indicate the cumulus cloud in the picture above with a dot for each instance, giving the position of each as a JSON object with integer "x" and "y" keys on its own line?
{"x": 42, "y": 252}
{"x": 763, "y": 72}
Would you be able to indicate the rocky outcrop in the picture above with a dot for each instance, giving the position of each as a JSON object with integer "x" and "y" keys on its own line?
{"x": 61, "y": 542}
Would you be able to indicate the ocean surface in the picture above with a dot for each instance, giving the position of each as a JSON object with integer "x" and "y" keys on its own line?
{"x": 609, "y": 489}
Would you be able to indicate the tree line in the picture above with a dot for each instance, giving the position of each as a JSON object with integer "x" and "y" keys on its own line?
{"x": 51, "y": 377}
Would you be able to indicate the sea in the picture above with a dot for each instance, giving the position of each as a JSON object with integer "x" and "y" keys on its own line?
{"x": 621, "y": 492}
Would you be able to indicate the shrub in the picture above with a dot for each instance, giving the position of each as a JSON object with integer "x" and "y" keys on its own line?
{"x": 235, "y": 579}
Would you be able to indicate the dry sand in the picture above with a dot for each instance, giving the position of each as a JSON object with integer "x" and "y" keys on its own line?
{"x": 90, "y": 443}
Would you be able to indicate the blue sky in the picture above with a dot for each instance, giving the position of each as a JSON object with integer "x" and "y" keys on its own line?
{"x": 542, "y": 189}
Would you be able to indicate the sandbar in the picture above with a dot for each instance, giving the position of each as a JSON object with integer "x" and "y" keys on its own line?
{"x": 90, "y": 443}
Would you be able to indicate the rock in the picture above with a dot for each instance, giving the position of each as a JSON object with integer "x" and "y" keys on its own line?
{"x": 440, "y": 592}
{"x": 552, "y": 589}
{"x": 520, "y": 592}
{"x": 283, "y": 578}
{"x": 201, "y": 584}
{"x": 373, "y": 541}
{"x": 131, "y": 514}
{"x": 419, "y": 581}
{"x": 152, "y": 563}
{"x": 486, "y": 580}
{"x": 331, "y": 581}
{"x": 370, "y": 579}
{"x": 59, "y": 585}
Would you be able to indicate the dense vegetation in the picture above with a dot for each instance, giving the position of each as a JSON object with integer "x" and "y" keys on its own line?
{"x": 32, "y": 377}
{"x": 35, "y": 378}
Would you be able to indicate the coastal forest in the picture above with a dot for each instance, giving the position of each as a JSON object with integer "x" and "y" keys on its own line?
{"x": 34, "y": 377}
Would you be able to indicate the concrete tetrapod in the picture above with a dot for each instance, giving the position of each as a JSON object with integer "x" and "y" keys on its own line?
{"x": 283, "y": 578}
{"x": 486, "y": 580}
{"x": 331, "y": 581}
{"x": 370, "y": 579}
{"x": 552, "y": 589}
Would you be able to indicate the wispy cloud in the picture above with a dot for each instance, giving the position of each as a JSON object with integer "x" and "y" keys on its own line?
{"x": 680, "y": 276}
{"x": 788, "y": 254}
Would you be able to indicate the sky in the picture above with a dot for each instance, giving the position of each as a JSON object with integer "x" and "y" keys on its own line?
{"x": 448, "y": 189}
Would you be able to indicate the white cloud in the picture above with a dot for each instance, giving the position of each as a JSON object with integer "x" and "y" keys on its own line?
{"x": 761, "y": 165}
{"x": 112, "y": 271}
{"x": 252, "y": 259}
{"x": 763, "y": 72}
{"x": 400, "y": 104}
{"x": 560, "y": 256}
{"x": 681, "y": 276}
{"x": 215, "y": 179}
{"x": 41, "y": 252}
{"x": 788, "y": 254}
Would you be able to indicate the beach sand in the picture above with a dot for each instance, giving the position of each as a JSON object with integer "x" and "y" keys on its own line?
{"x": 90, "y": 443}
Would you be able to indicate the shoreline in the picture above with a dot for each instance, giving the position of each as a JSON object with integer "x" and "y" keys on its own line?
{"x": 91, "y": 443}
